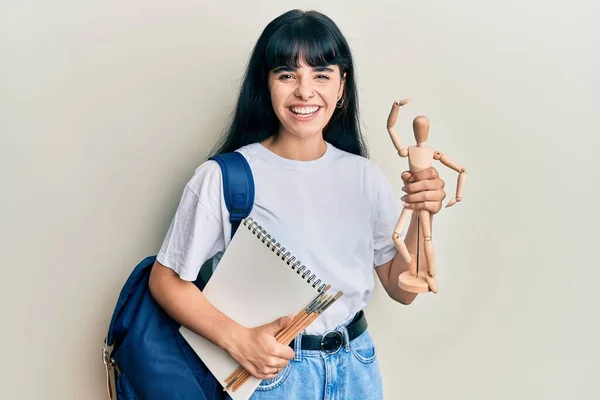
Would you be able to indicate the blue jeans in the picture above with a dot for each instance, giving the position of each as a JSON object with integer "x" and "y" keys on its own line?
{"x": 350, "y": 373}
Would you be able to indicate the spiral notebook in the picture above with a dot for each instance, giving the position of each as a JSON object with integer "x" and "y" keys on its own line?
{"x": 255, "y": 282}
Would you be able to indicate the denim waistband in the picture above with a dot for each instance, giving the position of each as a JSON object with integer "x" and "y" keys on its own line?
{"x": 331, "y": 341}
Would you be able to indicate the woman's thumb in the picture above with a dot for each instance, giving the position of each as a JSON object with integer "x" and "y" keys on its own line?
{"x": 280, "y": 323}
{"x": 405, "y": 175}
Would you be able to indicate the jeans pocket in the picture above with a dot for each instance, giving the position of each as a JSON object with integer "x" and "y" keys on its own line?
{"x": 364, "y": 349}
{"x": 270, "y": 384}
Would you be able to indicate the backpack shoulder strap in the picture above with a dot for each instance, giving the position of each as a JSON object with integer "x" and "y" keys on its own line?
{"x": 238, "y": 186}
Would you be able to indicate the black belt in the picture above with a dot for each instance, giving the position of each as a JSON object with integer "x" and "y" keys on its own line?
{"x": 332, "y": 341}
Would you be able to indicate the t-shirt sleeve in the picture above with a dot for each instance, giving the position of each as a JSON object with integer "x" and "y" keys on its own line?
{"x": 196, "y": 230}
{"x": 386, "y": 216}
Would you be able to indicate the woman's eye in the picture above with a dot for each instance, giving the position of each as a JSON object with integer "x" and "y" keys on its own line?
{"x": 322, "y": 76}
{"x": 285, "y": 76}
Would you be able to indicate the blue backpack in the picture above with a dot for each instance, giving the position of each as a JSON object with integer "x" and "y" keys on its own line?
{"x": 149, "y": 358}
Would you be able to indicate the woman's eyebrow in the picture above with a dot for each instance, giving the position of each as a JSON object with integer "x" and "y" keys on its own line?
{"x": 322, "y": 69}
{"x": 291, "y": 69}
{"x": 283, "y": 69}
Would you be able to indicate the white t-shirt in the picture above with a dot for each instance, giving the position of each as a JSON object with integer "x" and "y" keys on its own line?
{"x": 336, "y": 214}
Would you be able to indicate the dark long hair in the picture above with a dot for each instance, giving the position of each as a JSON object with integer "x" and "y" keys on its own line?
{"x": 294, "y": 34}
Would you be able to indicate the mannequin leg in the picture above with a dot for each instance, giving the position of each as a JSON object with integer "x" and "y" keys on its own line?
{"x": 429, "y": 254}
{"x": 432, "y": 283}
{"x": 398, "y": 241}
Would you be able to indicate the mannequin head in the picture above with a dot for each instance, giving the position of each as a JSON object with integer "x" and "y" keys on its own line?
{"x": 421, "y": 129}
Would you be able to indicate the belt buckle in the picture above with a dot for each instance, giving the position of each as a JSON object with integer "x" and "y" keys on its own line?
{"x": 331, "y": 342}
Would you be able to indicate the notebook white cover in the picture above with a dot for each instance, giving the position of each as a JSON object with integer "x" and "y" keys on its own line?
{"x": 253, "y": 286}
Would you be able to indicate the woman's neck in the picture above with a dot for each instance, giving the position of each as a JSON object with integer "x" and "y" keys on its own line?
{"x": 296, "y": 148}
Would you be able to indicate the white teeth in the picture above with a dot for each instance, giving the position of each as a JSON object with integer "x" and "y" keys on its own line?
{"x": 304, "y": 110}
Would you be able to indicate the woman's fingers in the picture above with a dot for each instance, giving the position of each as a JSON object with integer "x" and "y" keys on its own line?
{"x": 434, "y": 184}
{"x": 427, "y": 195}
{"x": 424, "y": 190}
{"x": 274, "y": 363}
{"x": 271, "y": 372}
{"x": 279, "y": 363}
{"x": 424, "y": 174}
{"x": 431, "y": 206}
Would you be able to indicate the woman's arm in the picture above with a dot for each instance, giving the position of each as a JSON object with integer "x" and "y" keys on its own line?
{"x": 184, "y": 302}
{"x": 424, "y": 191}
{"x": 389, "y": 272}
{"x": 255, "y": 349}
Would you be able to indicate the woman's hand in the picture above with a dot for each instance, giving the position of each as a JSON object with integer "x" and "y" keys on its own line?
{"x": 257, "y": 350}
{"x": 424, "y": 190}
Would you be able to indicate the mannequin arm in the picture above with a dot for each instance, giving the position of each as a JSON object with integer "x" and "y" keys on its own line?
{"x": 391, "y": 121}
{"x": 461, "y": 180}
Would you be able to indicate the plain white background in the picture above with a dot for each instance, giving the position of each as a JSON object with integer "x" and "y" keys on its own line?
{"x": 106, "y": 109}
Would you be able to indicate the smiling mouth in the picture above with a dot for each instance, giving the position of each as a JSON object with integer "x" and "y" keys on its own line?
{"x": 305, "y": 111}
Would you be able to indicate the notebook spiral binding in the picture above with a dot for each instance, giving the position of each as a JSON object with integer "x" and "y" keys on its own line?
{"x": 286, "y": 256}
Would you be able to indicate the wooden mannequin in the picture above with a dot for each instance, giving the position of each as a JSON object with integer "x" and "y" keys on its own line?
{"x": 420, "y": 157}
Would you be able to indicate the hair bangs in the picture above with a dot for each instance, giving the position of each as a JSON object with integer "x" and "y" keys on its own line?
{"x": 302, "y": 42}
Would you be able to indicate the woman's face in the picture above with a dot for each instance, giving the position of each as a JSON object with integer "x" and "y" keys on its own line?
{"x": 305, "y": 98}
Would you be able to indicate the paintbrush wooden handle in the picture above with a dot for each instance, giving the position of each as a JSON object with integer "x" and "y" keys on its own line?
{"x": 307, "y": 320}
{"x": 297, "y": 317}
{"x": 292, "y": 325}
{"x": 285, "y": 336}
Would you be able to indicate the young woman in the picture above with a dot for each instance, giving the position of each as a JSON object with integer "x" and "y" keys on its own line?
{"x": 297, "y": 124}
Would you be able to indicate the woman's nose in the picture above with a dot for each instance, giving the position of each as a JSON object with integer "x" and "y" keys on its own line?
{"x": 304, "y": 90}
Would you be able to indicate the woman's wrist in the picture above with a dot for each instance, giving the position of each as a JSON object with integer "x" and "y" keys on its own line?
{"x": 232, "y": 336}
